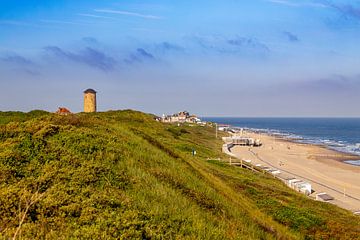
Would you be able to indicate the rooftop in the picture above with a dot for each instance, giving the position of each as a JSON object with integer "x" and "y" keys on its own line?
{"x": 63, "y": 111}
{"x": 89, "y": 90}
{"x": 325, "y": 197}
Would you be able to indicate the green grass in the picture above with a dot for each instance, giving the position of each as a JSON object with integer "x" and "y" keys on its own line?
{"x": 6, "y": 117}
{"x": 122, "y": 175}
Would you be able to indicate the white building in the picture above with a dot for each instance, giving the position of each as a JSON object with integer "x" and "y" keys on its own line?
{"x": 180, "y": 117}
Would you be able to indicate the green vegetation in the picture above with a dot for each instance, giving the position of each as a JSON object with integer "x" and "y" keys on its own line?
{"x": 122, "y": 175}
{"x": 6, "y": 117}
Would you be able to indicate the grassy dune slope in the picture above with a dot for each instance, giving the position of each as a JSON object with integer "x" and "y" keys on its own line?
{"x": 122, "y": 175}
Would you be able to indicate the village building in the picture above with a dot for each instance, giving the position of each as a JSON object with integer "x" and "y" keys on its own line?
{"x": 223, "y": 127}
{"x": 193, "y": 119}
{"x": 63, "y": 111}
{"x": 180, "y": 117}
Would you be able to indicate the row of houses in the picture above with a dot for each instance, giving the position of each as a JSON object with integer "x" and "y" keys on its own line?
{"x": 292, "y": 182}
{"x": 295, "y": 183}
{"x": 180, "y": 117}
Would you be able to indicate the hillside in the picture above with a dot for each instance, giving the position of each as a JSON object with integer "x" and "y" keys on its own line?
{"x": 122, "y": 175}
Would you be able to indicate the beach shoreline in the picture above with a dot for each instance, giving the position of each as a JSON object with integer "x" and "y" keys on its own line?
{"x": 323, "y": 167}
{"x": 337, "y": 155}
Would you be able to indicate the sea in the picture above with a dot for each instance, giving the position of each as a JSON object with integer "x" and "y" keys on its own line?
{"x": 341, "y": 134}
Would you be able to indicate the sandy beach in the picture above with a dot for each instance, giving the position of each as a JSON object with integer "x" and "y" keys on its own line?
{"x": 323, "y": 168}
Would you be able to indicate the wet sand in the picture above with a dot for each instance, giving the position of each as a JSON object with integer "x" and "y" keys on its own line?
{"x": 322, "y": 167}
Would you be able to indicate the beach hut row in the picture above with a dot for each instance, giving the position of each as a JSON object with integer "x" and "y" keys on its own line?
{"x": 272, "y": 171}
{"x": 300, "y": 186}
{"x": 294, "y": 183}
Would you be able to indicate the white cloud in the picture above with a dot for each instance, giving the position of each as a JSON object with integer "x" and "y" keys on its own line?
{"x": 94, "y": 16}
{"x": 17, "y": 23}
{"x": 134, "y": 14}
{"x": 283, "y": 2}
{"x": 64, "y": 22}
{"x": 298, "y": 3}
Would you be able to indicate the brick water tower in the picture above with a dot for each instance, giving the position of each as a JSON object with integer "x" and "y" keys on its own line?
{"x": 89, "y": 100}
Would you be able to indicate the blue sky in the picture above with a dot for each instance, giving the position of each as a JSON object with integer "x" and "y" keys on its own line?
{"x": 214, "y": 58}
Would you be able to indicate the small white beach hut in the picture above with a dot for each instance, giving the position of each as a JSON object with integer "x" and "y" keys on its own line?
{"x": 303, "y": 187}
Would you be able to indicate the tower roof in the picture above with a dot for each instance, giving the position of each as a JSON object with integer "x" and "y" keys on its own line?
{"x": 89, "y": 90}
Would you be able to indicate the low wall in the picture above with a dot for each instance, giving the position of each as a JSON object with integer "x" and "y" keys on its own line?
{"x": 226, "y": 149}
